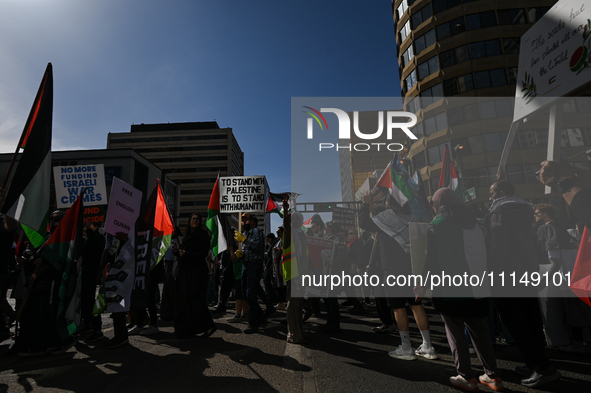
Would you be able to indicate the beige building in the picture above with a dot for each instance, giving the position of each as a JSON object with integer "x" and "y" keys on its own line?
{"x": 451, "y": 48}
{"x": 191, "y": 155}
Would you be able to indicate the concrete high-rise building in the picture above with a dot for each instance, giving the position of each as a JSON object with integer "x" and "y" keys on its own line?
{"x": 455, "y": 48}
{"x": 191, "y": 155}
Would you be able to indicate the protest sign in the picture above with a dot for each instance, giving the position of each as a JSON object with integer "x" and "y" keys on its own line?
{"x": 243, "y": 194}
{"x": 320, "y": 254}
{"x": 344, "y": 217}
{"x": 124, "y": 207}
{"x": 71, "y": 180}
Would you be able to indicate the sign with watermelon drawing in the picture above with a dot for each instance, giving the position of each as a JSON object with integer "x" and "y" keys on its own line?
{"x": 554, "y": 57}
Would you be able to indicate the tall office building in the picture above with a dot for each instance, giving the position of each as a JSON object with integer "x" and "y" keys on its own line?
{"x": 191, "y": 155}
{"x": 455, "y": 48}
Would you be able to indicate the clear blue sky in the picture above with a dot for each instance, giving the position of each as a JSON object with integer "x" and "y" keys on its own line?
{"x": 122, "y": 62}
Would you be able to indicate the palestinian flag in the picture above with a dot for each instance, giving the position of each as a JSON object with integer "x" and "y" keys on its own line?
{"x": 275, "y": 201}
{"x": 448, "y": 177}
{"x": 272, "y": 206}
{"x": 581, "y": 278}
{"x": 398, "y": 187}
{"x": 27, "y": 199}
{"x": 62, "y": 250}
{"x": 218, "y": 240}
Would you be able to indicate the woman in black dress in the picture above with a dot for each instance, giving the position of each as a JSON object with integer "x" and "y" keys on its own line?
{"x": 191, "y": 313}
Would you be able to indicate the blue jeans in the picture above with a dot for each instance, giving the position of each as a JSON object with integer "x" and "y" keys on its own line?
{"x": 251, "y": 277}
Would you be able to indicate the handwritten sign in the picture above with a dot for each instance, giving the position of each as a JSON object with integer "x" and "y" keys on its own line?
{"x": 124, "y": 207}
{"x": 243, "y": 194}
{"x": 555, "y": 57}
{"x": 71, "y": 180}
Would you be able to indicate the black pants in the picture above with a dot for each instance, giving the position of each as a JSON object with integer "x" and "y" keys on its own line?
{"x": 228, "y": 280}
{"x": 384, "y": 311}
{"x": 521, "y": 316}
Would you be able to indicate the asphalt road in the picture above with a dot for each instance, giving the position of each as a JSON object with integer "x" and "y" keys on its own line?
{"x": 355, "y": 360}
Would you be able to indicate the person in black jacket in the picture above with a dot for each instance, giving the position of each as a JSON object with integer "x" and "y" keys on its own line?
{"x": 92, "y": 252}
{"x": 511, "y": 248}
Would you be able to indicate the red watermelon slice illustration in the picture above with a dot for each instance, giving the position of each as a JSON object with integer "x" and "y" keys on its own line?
{"x": 578, "y": 59}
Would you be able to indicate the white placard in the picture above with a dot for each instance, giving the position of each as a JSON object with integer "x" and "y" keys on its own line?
{"x": 71, "y": 180}
{"x": 243, "y": 194}
{"x": 124, "y": 207}
{"x": 554, "y": 58}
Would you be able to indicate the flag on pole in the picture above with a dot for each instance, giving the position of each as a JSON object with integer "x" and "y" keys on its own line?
{"x": 420, "y": 205}
{"x": 448, "y": 177}
{"x": 62, "y": 250}
{"x": 272, "y": 206}
{"x": 581, "y": 278}
{"x": 392, "y": 181}
{"x": 27, "y": 199}
{"x": 218, "y": 240}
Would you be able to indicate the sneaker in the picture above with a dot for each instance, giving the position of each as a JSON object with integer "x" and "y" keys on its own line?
{"x": 400, "y": 353}
{"x": 251, "y": 329}
{"x": 280, "y": 306}
{"x": 94, "y": 337}
{"x": 426, "y": 352}
{"x": 150, "y": 330}
{"x": 468, "y": 384}
{"x": 244, "y": 318}
{"x": 384, "y": 329}
{"x": 116, "y": 342}
{"x": 64, "y": 348}
{"x": 135, "y": 330}
{"x": 536, "y": 379}
{"x": 263, "y": 324}
{"x": 523, "y": 370}
{"x": 235, "y": 319}
{"x": 493, "y": 383}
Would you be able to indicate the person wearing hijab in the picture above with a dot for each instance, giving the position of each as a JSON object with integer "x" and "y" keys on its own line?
{"x": 191, "y": 313}
{"x": 456, "y": 246}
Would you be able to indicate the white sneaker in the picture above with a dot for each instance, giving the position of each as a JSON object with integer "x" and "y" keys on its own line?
{"x": 426, "y": 352}
{"x": 134, "y": 331}
{"x": 400, "y": 353}
{"x": 150, "y": 330}
{"x": 467, "y": 384}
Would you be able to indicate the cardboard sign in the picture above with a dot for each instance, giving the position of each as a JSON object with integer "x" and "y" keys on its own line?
{"x": 94, "y": 214}
{"x": 345, "y": 217}
{"x": 71, "y": 180}
{"x": 124, "y": 207}
{"x": 554, "y": 57}
{"x": 243, "y": 194}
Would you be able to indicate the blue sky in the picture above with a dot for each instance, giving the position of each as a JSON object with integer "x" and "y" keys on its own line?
{"x": 122, "y": 62}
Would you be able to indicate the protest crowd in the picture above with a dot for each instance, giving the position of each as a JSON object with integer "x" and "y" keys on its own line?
{"x": 59, "y": 301}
